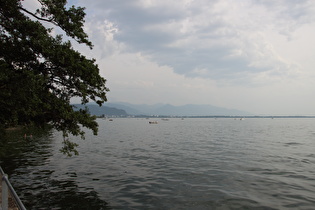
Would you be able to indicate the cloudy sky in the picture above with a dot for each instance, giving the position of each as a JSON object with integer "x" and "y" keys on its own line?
{"x": 253, "y": 55}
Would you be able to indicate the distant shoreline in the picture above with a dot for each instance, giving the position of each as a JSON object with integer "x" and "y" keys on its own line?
{"x": 210, "y": 116}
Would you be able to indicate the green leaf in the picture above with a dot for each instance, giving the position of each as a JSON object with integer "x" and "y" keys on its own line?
{"x": 41, "y": 73}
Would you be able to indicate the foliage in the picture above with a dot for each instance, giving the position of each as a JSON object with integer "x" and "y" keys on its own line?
{"x": 40, "y": 72}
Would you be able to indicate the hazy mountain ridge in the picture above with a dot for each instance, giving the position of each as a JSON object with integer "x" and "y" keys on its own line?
{"x": 167, "y": 109}
{"x": 125, "y": 109}
{"x": 97, "y": 110}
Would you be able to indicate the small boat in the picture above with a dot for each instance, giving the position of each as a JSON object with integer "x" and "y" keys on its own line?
{"x": 153, "y": 122}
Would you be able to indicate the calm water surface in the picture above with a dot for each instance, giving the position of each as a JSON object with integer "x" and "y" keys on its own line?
{"x": 175, "y": 164}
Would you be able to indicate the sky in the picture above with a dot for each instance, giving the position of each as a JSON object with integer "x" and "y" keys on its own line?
{"x": 252, "y": 55}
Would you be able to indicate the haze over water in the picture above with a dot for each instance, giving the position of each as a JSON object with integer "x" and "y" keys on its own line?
{"x": 176, "y": 164}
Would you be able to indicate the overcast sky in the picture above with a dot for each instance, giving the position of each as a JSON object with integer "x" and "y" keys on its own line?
{"x": 253, "y": 55}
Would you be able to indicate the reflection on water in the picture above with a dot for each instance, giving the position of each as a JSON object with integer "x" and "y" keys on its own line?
{"x": 27, "y": 161}
{"x": 57, "y": 194}
{"x": 175, "y": 164}
{"x": 17, "y": 151}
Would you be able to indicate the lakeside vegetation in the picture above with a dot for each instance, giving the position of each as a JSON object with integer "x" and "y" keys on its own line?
{"x": 41, "y": 71}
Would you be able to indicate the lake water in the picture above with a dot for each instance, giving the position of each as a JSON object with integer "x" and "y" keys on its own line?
{"x": 193, "y": 163}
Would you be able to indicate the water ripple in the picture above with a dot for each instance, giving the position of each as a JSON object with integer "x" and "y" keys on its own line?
{"x": 176, "y": 164}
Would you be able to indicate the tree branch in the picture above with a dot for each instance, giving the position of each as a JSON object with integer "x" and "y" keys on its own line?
{"x": 39, "y": 18}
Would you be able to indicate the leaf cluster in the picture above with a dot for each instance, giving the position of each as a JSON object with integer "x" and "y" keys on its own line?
{"x": 40, "y": 73}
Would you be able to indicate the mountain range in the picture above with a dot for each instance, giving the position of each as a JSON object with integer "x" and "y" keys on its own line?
{"x": 125, "y": 109}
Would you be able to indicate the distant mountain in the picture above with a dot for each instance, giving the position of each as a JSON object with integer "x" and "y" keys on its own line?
{"x": 103, "y": 110}
{"x": 129, "y": 108}
{"x": 185, "y": 110}
{"x": 136, "y": 109}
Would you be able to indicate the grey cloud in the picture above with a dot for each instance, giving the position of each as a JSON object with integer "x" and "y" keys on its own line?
{"x": 298, "y": 11}
{"x": 212, "y": 60}
{"x": 136, "y": 30}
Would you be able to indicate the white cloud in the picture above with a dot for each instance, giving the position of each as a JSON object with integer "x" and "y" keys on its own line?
{"x": 204, "y": 35}
{"x": 252, "y": 55}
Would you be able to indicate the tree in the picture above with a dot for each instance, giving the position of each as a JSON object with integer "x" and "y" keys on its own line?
{"x": 40, "y": 73}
